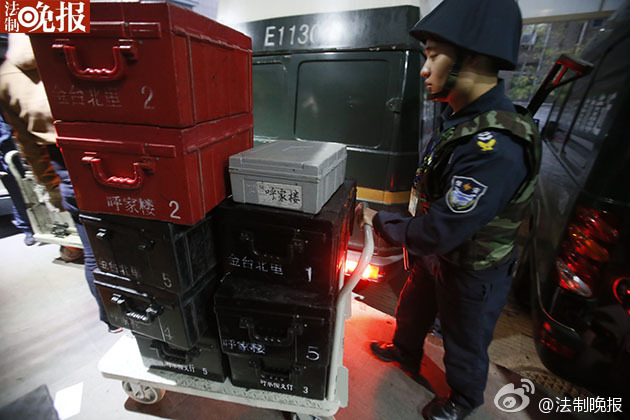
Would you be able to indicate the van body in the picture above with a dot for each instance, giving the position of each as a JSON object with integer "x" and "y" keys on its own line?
{"x": 578, "y": 261}
{"x": 350, "y": 77}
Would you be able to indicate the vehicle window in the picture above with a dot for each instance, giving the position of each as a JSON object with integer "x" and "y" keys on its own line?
{"x": 563, "y": 112}
{"x": 347, "y": 105}
{"x": 593, "y": 118}
{"x": 271, "y": 101}
{"x": 549, "y": 130}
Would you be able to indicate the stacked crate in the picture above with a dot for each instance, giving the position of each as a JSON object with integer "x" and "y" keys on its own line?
{"x": 283, "y": 249}
{"x": 148, "y": 107}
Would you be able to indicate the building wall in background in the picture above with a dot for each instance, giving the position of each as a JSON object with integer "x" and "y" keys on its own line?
{"x": 230, "y": 11}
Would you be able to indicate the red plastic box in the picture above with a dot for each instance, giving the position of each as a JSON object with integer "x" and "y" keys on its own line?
{"x": 168, "y": 174}
{"x": 146, "y": 63}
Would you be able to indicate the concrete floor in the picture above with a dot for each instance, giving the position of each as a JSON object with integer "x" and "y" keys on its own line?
{"x": 51, "y": 335}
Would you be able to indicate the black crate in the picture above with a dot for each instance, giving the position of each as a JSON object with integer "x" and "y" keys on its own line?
{"x": 274, "y": 321}
{"x": 288, "y": 247}
{"x": 160, "y": 254}
{"x": 205, "y": 360}
{"x": 175, "y": 318}
{"x": 279, "y": 376}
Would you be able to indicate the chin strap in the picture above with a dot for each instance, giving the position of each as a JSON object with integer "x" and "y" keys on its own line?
{"x": 450, "y": 80}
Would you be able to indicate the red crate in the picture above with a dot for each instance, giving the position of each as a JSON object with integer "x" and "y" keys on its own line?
{"x": 146, "y": 63}
{"x": 169, "y": 174}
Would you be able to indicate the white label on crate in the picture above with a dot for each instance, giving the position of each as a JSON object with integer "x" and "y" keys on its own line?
{"x": 97, "y": 97}
{"x": 185, "y": 368}
{"x": 128, "y": 271}
{"x": 251, "y": 264}
{"x": 276, "y": 385}
{"x": 243, "y": 346}
{"x": 148, "y": 92}
{"x": 130, "y": 205}
{"x": 279, "y": 195}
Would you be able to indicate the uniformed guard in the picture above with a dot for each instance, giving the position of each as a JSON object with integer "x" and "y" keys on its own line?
{"x": 470, "y": 195}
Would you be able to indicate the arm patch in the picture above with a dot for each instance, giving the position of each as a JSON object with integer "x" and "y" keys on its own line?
{"x": 464, "y": 194}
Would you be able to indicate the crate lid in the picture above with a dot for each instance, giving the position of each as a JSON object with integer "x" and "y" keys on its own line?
{"x": 306, "y": 158}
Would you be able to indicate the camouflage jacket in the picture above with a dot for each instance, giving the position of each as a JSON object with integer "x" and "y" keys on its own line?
{"x": 473, "y": 186}
{"x": 494, "y": 242}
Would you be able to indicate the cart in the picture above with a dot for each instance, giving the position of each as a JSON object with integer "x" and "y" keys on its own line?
{"x": 124, "y": 362}
{"x": 49, "y": 225}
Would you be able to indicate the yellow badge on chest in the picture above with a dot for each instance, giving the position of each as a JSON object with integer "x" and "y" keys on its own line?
{"x": 486, "y": 146}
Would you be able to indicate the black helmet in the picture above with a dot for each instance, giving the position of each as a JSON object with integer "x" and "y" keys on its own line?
{"x": 488, "y": 27}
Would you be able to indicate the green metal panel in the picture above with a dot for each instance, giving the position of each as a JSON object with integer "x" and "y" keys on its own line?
{"x": 343, "y": 101}
{"x": 350, "y": 77}
{"x": 369, "y": 101}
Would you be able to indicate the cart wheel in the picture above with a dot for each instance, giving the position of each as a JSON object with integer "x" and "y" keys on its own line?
{"x": 144, "y": 394}
{"x": 295, "y": 416}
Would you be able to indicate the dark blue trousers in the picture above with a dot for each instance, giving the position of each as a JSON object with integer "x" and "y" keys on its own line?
{"x": 469, "y": 304}
{"x": 69, "y": 203}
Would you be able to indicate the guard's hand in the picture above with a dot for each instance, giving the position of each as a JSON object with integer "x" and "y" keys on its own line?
{"x": 365, "y": 215}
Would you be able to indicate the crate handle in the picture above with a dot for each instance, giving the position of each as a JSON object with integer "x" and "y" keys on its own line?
{"x": 146, "y": 317}
{"x": 171, "y": 355}
{"x": 295, "y": 246}
{"x": 123, "y": 182}
{"x": 128, "y": 49}
{"x": 294, "y": 330}
{"x": 275, "y": 376}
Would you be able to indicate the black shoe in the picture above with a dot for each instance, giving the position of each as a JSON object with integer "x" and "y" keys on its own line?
{"x": 388, "y": 352}
{"x": 444, "y": 409}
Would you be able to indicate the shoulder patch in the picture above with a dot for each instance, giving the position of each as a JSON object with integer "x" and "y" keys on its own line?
{"x": 464, "y": 194}
{"x": 485, "y": 141}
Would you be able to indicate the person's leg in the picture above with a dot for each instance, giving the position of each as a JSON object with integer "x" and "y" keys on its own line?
{"x": 417, "y": 307}
{"x": 89, "y": 263}
{"x": 70, "y": 204}
{"x": 470, "y": 303}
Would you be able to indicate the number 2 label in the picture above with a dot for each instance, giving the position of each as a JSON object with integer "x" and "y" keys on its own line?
{"x": 146, "y": 90}
{"x": 175, "y": 206}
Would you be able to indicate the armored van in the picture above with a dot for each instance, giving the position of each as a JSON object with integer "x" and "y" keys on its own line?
{"x": 348, "y": 77}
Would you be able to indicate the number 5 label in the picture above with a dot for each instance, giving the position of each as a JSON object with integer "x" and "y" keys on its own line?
{"x": 312, "y": 353}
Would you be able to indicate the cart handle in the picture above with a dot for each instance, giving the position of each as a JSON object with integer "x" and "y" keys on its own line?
{"x": 364, "y": 260}
{"x": 366, "y": 256}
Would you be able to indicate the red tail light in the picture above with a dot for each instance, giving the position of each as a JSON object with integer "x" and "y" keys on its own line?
{"x": 585, "y": 249}
{"x": 596, "y": 225}
{"x": 585, "y": 245}
{"x": 371, "y": 272}
{"x": 579, "y": 264}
